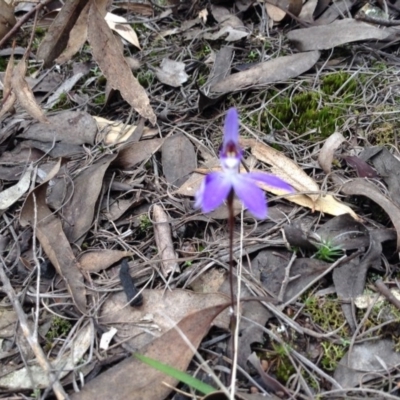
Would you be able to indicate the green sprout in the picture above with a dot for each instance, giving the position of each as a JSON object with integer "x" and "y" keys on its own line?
{"x": 327, "y": 251}
{"x": 144, "y": 223}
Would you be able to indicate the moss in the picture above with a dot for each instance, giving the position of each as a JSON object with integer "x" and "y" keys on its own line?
{"x": 144, "y": 223}
{"x": 333, "y": 353}
{"x": 60, "y": 327}
{"x": 3, "y": 64}
{"x": 100, "y": 99}
{"x": 145, "y": 78}
{"x": 280, "y": 362}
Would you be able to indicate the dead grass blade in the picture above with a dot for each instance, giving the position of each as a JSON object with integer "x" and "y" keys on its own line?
{"x": 335, "y": 34}
{"x": 79, "y": 212}
{"x": 132, "y": 376}
{"x": 278, "y": 70}
{"x": 24, "y": 93}
{"x": 362, "y": 187}
{"x": 162, "y": 235}
{"x": 53, "y": 240}
{"x": 57, "y": 36}
{"x": 111, "y": 61}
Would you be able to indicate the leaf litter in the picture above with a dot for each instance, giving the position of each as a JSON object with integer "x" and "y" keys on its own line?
{"x": 132, "y": 162}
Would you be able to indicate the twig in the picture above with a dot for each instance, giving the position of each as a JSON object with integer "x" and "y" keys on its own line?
{"x": 383, "y": 289}
{"x": 377, "y": 21}
{"x": 32, "y": 340}
{"x": 24, "y": 19}
{"x": 286, "y": 279}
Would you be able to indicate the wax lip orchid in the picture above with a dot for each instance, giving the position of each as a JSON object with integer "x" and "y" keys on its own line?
{"x": 217, "y": 186}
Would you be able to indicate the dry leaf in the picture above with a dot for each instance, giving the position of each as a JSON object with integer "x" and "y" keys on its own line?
{"x": 132, "y": 376}
{"x": 57, "y": 36}
{"x": 178, "y": 158}
{"x": 138, "y": 8}
{"x": 331, "y": 144}
{"x": 97, "y": 260}
{"x": 53, "y": 240}
{"x": 79, "y": 212}
{"x": 24, "y": 93}
{"x": 277, "y": 9}
{"x": 120, "y": 25}
{"x": 114, "y": 66}
{"x": 278, "y": 70}
{"x": 203, "y": 14}
{"x": 172, "y": 73}
{"x": 33, "y": 377}
{"x": 137, "y": 152}
{"x": 335, "y": 34}
{"x": 163, "y": 238}
{"x": 362, "y": 187}
{"x": 7, "y": 18}
{"x": 114, "y": 132}
{"x": 12, "y": 194}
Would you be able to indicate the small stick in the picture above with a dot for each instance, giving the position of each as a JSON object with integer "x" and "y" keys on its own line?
{"x": 32, "y": 340}
{"x": 286, "y": 279}
{"x": 385, "y": 291}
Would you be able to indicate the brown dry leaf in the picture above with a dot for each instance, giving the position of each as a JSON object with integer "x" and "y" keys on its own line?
{"x": 9, "y": 96}
{"x": 121, "y": 26}
{"x": 278, "y": 70}
{"x": 77, "y": 36}
{"x": 178, "y": 159}
{"x": 57, "y": 36}
{"x": 79, "y": 212}
{"x": 277, "y": 9}
{"x": 97, "y": 260}
{"x": 12, "y": 194}
{"x": 172, "y": 73}
{"x": 137, "y": 152}
{"x": 24, "y": 93}
{"x": 163, "y": 238}
{"x": 114, "y": 66}
{"x": 132, "y": 376}
{"x": 138, "y": 8}
{"x": 362, "y": 187}
{"x": 53, "y": 240}
{"x": 325, "y": 156}
{"x": 114, "y": 132}
{"x": 153, "y": 319}
{"x": 335, "y": 34}
{"x": 7, "y": 18}
{"x": 72, "y": 127}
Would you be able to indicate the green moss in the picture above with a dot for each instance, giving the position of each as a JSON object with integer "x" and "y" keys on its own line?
{"x": 60, "y": 327}
{"x": 3, "y": 64}
{"x": 145, "y": 78}
{"x": 100, "y": 99}
{"x": 333, "y": 353}
{"x": 144, "y": 223}
{"x": 282, "y": 366}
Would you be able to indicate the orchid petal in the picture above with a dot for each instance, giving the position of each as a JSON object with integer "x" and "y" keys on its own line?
{"x": 214, "y": 190}
{"x": 270, "y": 180}
{"x": 231, "y": 128}
{"x": 251, "y": 195}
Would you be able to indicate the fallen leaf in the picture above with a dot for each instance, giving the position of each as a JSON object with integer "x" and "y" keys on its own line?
{"x": 203, "y": 14}
{"x": 178, "y": 159}
{"x": 335, "y": 34}
{"x": 163, "y": 238}
{"x": 114, "y": 132}
{"x": 138, "y": 8}
{"x": 363, "y": 169}
{"x": 277, "y": 9}
{"x": 12, "y": 194}
{"x": 97, "y": 260}
{"x": 362, "y": 362}
{"x": 24, "y": 93}
{"x": 78, "y": 213}
{"x": 33, "y": 377}
{"x": 362, "y": 187}
{"x": 278, "y": 70}
{"x": 72, "y": 127}
{"x": 121, "y": 26}
{"x": 327, "y": 152}
{"x": 8, "y": 321}
{"x": 132, "y": 376}
{"x": 53, "y": 240}
{"x": 114, "y": 66}
{"x": 137, "y": 152}
{"x": 7, "y": 18}
{"x": 172, "y": 73}
{"x": 57, "y": 36}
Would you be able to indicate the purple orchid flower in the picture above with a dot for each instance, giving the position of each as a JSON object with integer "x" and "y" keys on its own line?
{"x": 217, "y": 186}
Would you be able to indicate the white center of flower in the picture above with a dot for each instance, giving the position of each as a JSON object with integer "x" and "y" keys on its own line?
{"x": 231, "y": 162}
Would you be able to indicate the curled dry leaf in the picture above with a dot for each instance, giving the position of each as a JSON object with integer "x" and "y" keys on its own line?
{"x": 53, "y": 240}
{"x": 114, "y": 132}
{"x": 362, "y": 187}
{"x": 278, "y": 70}
{"x": 331, "y": 144}
{"x": 335, "y": 34}
{"x": 24, "y": 93}
{"x": 121, "y": 26}
{"x": 7, "y": 18}
{"x": 9, "y": 196}
{"x": 132, "y": 376}
{"x": 97, "y": 260}
{"x": 165, "y": 246}
{"x": 277, "y": 9}
{"x": 111, "y": 61}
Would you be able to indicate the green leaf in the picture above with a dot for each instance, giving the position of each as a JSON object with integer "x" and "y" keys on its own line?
{"x": 175, "y": 373}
